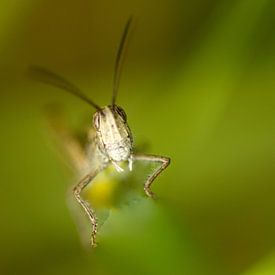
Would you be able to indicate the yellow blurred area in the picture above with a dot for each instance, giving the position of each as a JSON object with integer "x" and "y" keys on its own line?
{"x": 102, "y": 192}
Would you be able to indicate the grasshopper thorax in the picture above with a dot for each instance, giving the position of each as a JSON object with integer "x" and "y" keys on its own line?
{"x": 113, "y": 133}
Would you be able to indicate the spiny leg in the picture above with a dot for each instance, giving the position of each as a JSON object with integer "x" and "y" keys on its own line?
{"x": 153, "y": 158}
{"x": 89, "y": 211}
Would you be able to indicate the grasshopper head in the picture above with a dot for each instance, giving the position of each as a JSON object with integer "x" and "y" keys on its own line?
{"x": 113, "y": 133}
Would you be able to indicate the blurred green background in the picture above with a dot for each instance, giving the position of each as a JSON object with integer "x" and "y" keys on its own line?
{"x": 197, "y": 85}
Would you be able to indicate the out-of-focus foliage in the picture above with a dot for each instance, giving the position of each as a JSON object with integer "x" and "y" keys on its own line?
{"x": 198, "y": 86}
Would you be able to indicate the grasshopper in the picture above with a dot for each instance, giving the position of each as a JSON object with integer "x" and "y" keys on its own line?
{"x": 110, "y": 138}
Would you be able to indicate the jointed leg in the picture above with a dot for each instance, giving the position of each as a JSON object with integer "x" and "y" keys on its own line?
{"x": 89, "y": 211}
{"x": 164, "y": 163}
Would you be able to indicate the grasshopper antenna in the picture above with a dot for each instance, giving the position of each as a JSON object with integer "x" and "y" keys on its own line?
{"x": 119, "y": 59}
{"x": 45, "y": 76}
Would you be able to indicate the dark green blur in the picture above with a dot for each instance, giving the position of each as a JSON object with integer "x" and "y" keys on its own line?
{"x": 198, "y": 85}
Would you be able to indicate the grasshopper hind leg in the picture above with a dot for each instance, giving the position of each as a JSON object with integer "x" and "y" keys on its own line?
{"x": 70, "y": 147}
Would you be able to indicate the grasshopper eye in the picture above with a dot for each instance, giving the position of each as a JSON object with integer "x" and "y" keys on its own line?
{"x": 96, "y": 121}
{"x": 121, "y": 113}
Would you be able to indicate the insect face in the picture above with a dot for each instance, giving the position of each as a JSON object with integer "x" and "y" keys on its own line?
{"x": 113, "y": 133}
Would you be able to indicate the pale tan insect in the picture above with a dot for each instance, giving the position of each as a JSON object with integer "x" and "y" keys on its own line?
{"x": 110, "y": 138}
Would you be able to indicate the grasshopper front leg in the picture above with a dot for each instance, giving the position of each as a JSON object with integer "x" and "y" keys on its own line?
{"x": 165, "y": 161}
{"x": 89, "y": 211}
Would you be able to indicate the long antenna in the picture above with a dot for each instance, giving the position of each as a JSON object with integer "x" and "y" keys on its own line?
{"x": 119, "y": 59}
{"x": 44, "y": 75}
